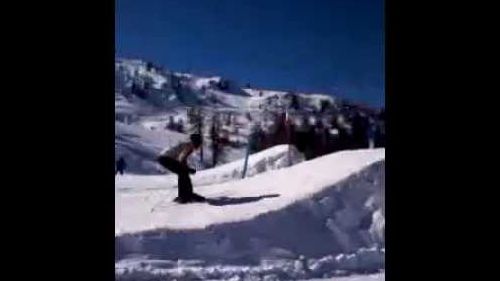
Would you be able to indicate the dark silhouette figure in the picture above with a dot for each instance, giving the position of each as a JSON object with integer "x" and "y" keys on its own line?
{"x": 301, "y": 135}
{"x": 171, "y": 123}
{"x": 257, "y": 139}
{"x": 121, "y": 165}
{"x": 294, "y": 104}
{"x": 342, "y": 139}
{"x": 325, "y": 105}
{"x": 282, "y": 130}
{"x": 180, "y": 126}
{"x": 380, "y": 130}
{"x": 320, "y": 139}
{"x": 359, "y": 131}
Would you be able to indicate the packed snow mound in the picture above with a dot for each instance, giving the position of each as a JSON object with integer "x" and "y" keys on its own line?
{"x": 370, "y": 277}
{"x": 284, "y": 188}
{"x": 149, "y": 270}
{"x": 317, "y": 218}
{"x": 274, "y": 158}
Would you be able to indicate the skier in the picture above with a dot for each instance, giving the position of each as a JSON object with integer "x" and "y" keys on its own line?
{"x": 120, "y": 166}
{"x": 175, "y": 160}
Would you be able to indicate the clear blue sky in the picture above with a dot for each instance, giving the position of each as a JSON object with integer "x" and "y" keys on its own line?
{"x": 332, "y": 46}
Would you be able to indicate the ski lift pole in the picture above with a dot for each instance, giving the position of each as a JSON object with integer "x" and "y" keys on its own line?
{"x": 288, "y": 137}
{"x": 247, "y": 155}
{"x": 245, "y": 165}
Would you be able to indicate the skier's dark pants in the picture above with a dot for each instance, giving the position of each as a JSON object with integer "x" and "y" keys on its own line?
{"x": 185, "y": 190}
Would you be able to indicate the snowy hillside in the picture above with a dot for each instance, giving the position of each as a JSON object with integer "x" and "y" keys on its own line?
{"x": 141, "y": 146}
{"x": 152, "y": 103}
{"x": 271, "y": 159}
{"x": 318, "y": 218}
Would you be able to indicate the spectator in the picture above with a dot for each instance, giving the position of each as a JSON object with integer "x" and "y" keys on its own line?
{"x": 121, "y": 165}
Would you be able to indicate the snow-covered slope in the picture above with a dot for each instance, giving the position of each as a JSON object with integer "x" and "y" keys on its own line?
{"x": 371, "y": 277}
{"x": 141, "y": 147}
{"x": 277, "y": 157}
{"x": 150, "y": 89}
{"x": 274, "y": 158}
{"x": 309, "y": 220}
{"x": 147, "y": 96}
{"x": 292, "y": 184}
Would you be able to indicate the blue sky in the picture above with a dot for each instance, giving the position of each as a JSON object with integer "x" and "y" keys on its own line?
{"x": 334, "y": 47}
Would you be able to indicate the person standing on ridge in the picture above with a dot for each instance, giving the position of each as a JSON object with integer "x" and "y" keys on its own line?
{"x": 175, "y": 160}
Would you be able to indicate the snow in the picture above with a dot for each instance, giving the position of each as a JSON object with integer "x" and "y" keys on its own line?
{"x": 245, "y": 99}
{"x": 205, "y": 82}
{"x": 152, "y": 108}
{"x": 194, "y": 270}
{"x": 289, "y": 219}
{"x": 273, "y": 158}
{"x": 371, "y": 277}
{"x": 141, "y": 146}
{"x": 292, "y": 184}
{"x": 123, "y": 106}
{"x": 329, "y": 210}
{"x": 270, "y": 159}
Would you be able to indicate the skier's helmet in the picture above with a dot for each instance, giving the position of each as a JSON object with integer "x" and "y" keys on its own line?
{"x": 196, "y": 139}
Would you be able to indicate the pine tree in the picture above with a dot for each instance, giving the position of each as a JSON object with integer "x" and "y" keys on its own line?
{"x": 294, "y": 103}
{"x": 195, "y": 116}
{"x": 180, "y": 126}
{"x": 256, "y": 138}
{"x": 171, "y": 123}
{"x": 325, "y": 104}
{"x": 214, "y": 136}
{"x": 223, "y": 85}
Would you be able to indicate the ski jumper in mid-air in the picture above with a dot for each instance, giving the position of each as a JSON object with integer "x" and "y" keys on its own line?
{"x": 175, "y": 160}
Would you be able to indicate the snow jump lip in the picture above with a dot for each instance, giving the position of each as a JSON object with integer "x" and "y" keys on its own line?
{"x": 240, "y": 200}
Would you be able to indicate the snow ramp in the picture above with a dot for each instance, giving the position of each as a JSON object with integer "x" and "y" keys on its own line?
{"x": 326, "y": 214}
{"x": 276, "y": 157}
